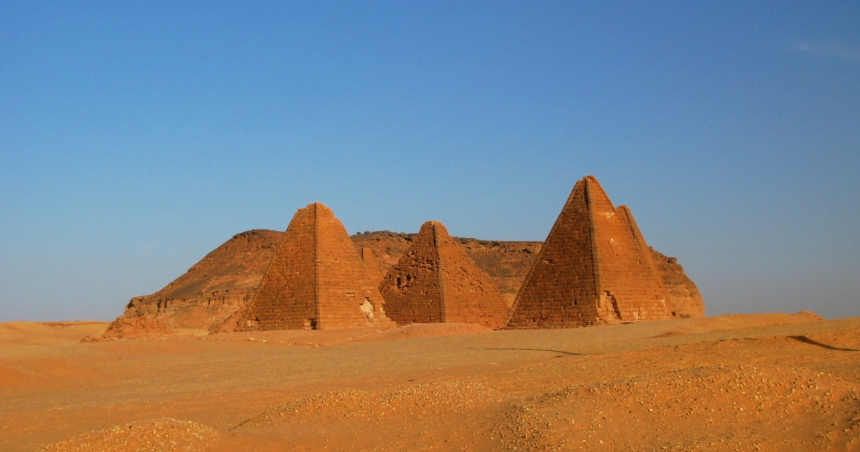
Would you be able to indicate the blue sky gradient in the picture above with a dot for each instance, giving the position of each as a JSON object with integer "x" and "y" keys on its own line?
{"x": 135, "y": 137}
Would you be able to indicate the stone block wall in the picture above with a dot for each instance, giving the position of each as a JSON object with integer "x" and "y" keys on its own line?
{"x": 347, "y": 296}
{"x": 561, "y": 290}
{"x": 626, "y": 282}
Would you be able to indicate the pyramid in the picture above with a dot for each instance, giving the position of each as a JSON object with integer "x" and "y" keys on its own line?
{"x": 316, "y": 280}
{"x": 595, "y": 268}
{"x": 435, "y": 281}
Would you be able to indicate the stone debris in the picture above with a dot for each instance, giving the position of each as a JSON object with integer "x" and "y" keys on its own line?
{"x": 163, "y": 435}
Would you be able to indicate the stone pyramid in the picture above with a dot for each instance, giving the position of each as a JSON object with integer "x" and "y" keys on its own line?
{"x": 435, "y": 281}
{"x": 316, "y": 280}
{"x": 594, "y": 268}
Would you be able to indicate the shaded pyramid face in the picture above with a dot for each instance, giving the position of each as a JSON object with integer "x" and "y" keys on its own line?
{"x": 435, "y": 281}
{"x": 316, "y": 280}
{"x": 594, "y": 268}
{"x": 371, "y": 266}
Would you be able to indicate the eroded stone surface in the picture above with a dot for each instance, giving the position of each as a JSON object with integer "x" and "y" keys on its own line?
{"x": 435, "y": 281}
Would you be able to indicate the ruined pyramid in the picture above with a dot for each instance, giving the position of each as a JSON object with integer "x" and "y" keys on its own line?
{"x": 594, "y": 268}
{"x": 435, "y": 281}
{"x": 317, "y": 280}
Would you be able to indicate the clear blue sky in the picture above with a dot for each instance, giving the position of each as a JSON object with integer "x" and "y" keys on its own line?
{"x": 137, "y": 136}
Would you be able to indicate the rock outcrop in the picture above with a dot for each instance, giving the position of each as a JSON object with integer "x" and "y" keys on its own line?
{"x": 436, "y": 282}
{"x": 223, "y": 282}
{"x": 682, "y": 295}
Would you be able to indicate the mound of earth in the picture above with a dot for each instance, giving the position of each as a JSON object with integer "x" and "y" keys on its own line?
{"x": 738, "y": 321}
{"x": 225, "y": 280}
{"x": 142, "y": 327}
{"x": 160, "y": 434}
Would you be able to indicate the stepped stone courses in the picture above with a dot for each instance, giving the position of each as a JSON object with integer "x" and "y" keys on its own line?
{"x": 316, "y": 280}
{"x": 594, "y": 268}
{"x": 435, "y": 281}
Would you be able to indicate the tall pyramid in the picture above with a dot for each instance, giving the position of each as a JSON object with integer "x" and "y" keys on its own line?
{"x": 317, "y": 280}
{"x": 435, "y": 281}
{"x": 595, "y": 268}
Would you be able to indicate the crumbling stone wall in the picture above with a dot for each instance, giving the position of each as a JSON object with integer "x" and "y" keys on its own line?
{"x": 435, "y": 281}
{"x": 316, "y": 280}
{"x": 591, "y": 270}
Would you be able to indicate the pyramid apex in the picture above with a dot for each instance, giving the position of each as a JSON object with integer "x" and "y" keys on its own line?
{"x": 433, "y": 225}
{"x": 318, "y": 205}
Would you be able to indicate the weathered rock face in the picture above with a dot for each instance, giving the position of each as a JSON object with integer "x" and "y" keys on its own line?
{"x": 435, "y": 282}
{"x": 594, "y": 268}
{"x": 682, "y": 296}
{"x": 316, "y": 280}
{"x": 214, "y": 288}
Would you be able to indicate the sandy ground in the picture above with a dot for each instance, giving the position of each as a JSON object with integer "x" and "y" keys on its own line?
{"x": 752, "y": 382}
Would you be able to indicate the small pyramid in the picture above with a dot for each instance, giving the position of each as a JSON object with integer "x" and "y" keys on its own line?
{"x": 435, "y": 281}
{"x": 316, "y": 280}
{"x": 594, "y": 268}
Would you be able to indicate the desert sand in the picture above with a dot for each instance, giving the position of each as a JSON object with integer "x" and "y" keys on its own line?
{"x": 736, "y": 382}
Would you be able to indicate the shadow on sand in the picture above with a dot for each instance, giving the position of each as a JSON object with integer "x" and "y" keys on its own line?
{"x": 537, "y": 350}
{"x": 809, "y": 341}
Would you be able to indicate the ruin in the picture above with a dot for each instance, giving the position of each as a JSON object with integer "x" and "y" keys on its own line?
{"x": 594, "y": 268}
{"x": 316, "y": 280}
{"x": 435, "y": 281}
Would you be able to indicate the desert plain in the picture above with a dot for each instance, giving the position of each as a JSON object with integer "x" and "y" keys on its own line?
{"x": 736, "y": 382}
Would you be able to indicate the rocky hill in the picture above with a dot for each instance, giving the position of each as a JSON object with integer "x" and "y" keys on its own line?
{"x": 225, "y": 280}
